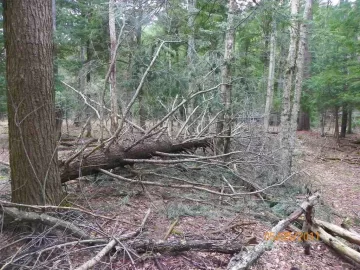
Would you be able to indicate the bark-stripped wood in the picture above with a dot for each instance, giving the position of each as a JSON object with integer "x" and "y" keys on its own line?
{"x": 352, "y": 237}
{"x": 336, "y": 244}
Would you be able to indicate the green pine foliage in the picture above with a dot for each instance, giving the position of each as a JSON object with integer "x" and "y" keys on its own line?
{"x": 335, "y": 48}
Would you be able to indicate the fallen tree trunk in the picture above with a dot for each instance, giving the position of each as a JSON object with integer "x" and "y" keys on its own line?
{"x": 336, "y": 244}
{"x": 225, "y": 247}
{"x": 117, "y": 155}
{"x": 343, "y": 233}
{"x": 244, "y": 260}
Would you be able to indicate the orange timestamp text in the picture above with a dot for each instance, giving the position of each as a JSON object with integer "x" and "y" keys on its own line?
{"x": 291, "y": 237}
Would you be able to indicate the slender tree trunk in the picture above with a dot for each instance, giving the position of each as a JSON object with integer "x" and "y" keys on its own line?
{"x": 224, "y": 125}
{"x": 323, "y": 121}
{"x": 271, "y": 76}
{"x": 114, "y": 106}
{"x": 59, "y": 112}
{"x": 142, "y": 110}
{"x": 191, "y": 53}
{"x": 336, "y": 114}
{"x": 304, "y": 117}
{"x": 349, "y": 128}
{"x": 344, "y": 121}
{"x": 88, "y": 60}
{"x": 300, "y": 65}
{"x": 31, "y": 111}
{"x": 285, "y": 131}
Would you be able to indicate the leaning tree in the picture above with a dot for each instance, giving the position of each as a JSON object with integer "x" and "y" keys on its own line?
{"x": 29, "y": 72}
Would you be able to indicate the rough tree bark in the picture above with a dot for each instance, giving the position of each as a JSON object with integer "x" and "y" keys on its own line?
{"x": 116, "y": 157}
{"x": 304, "y": 115}
{"x": 31, "y": 111}
{"x": 304, "y": 120}
{"x": 285, "y": 131}
{"x": 300, "y": 65}
{"x": 223, "y": 126}
{"x": 271, "y": 76}
{"x": 112, "y": 76}
{"x": 295, "y": 67}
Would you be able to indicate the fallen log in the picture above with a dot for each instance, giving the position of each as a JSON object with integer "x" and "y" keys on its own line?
{"x": 244, "y": 260}
{"x": 351, "y": 237}
{"x": 345, "y": 226}
{"x": 140, "y": 246}
{"x": 225, "y": 247}
{"x": 23, "y": 216}
{"x": 116, "y": 157}
{"x": 336, "y": 244}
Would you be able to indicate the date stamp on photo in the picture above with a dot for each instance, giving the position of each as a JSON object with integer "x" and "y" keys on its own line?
{"x": 292, "y": 236}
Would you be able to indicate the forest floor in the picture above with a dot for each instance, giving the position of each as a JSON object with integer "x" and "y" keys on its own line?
{"x": 333, "y": 169}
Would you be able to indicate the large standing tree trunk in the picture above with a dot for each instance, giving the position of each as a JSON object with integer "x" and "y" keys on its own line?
{"x": 300, "y": 65}
{"x": 295, "y": 66}
{"x": 285, "y": 131}
{"x": 304, "y": 121}
{"x": 304, "y": 117}
{"x": 112, "y": 76}
{"x": 29, "y": 73}
{"x": 271, "y": 76}
{"x": 223, "y": 127}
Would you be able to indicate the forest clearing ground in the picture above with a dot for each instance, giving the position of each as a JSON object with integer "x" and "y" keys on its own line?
{"x": 203, "y": 217}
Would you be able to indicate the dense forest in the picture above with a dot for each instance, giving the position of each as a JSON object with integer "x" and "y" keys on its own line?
{"x": 142, "y": 134}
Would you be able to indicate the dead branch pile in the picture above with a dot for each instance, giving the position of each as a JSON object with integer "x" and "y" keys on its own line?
{"x": 128, "y": 244}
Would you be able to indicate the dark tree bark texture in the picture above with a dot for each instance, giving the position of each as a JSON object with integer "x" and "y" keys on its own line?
{"x": 344, "y": 120}
{"x": 336, "y": 133}
{"x": 304, "y": 121}
{"x": 349, "y": 127}
{"x": 117, "y": 155}
{"x": 29, "y": 72}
